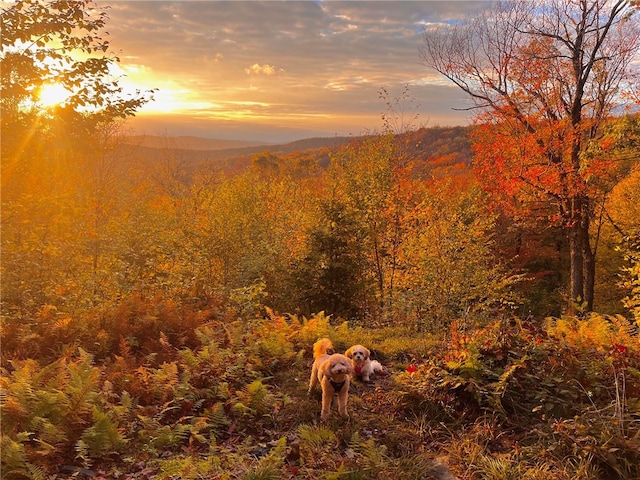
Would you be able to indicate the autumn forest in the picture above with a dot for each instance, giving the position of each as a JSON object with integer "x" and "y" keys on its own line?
{"x": 159, "y": 304}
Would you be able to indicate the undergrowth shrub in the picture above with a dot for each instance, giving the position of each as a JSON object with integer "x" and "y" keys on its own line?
{"x": 216, "y": 402}
{"x": 572, "y": 385}
{"x": 51, "y": 412}
{"x": 149, "y": 325}
{"x": 154, "y": 392}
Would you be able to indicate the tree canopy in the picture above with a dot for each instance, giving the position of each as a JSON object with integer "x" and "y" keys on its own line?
{"x": 545, "y": 78}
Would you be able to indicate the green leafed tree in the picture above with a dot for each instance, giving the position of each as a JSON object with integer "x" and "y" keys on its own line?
{"x": 331, "y": 275}
{"x": 372, "y": 179}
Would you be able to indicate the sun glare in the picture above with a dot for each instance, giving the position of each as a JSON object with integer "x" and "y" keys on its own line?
{"x": 53, "y": 94}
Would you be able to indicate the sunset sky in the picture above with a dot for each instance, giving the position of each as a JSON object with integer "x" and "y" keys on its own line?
{"x": 280, "y": 70}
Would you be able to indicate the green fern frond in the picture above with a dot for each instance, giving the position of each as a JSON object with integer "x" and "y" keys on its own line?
{"x": 103, "y": 437}
{"x": 500, "y": 386}
{"x": 217, "y": 417}
{"x": 316, "y": 437}
{"x": 193, "y": 468}
{"x": 82, "y": 383}
{"x": 82, "y": 452}
{"x": 182, "y": 433}
{"x": 47, "y": 431}
{"x": 270, "y": 466}
{"x": 166, "y": 436}
{"x": 35, "y": 472}
{"x": 258, "y": 396}
{"x": 240, "y": 409}
{"x": 12, "y": 453}
{"x": 208, "y": 335}
{"x": 372, "y": 455}
{"x": 263, "y": 472}
{"x": 222, "y": 391}
{"x": 19, "y": 468}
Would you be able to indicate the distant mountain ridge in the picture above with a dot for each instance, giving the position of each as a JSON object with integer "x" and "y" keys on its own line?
{"x": 201, "y": 148}
{"x": 187, "y": 142}
{"x": 434, "y": 148}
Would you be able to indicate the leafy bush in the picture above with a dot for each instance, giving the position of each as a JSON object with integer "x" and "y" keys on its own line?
{"x": 572, "y": 387}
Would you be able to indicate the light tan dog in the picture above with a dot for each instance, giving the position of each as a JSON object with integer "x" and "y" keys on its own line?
{"x": 363, "y": 366}
{"x": 332, "y": 372}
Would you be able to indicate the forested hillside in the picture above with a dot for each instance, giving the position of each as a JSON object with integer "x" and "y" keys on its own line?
{"x": 141, "y": 335}
{"x": 432, "y": 148}
{"x": 159, "y": 305}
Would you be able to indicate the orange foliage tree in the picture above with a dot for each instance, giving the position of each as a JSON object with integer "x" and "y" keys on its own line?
{"x": 59, "y": 172}
{"x": 546, "y": 77}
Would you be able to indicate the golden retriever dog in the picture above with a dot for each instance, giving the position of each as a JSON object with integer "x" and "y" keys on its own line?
{"x": 332, "y": 372}
{"x": 363, "y": 366}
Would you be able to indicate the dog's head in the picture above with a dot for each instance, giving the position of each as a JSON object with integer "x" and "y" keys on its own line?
{"x": 358, "y": 353}
{"x": 336, "y": 365}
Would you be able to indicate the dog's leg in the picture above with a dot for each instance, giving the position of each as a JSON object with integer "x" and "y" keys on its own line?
{"x": 327, "y": 399}
{"x": 314, "y": 378}
{"x": 342, "y": 399}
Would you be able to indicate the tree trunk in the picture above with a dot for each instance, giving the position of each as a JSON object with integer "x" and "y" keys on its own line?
{"x": 576, "y": 286}
{"x": 582, "y": 258}
{"x": 589, "y": 277}
{"x": 588, "y": 257}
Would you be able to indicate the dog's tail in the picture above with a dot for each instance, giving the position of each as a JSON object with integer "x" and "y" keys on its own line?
{"x": 377, "y": 367}
{"x": 321, "y": 347}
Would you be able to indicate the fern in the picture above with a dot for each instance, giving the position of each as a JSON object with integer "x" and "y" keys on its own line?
{"x": 263, "y": 472}
{"x": 500, "y": 387}
{"x": 270, "y": 466}
{"x": 52, "y": 403}
{"x": 163, "y": 381}
{"x": 627, "y": 329}
{"x": 596, "y": 331}
{"x": 259, "y": 397}
{"x": 123, "y": 411}
{"x": 82, "y": 384}
{"x": 222, "y": 391}
{"x": 315, "y": 437}
{"x": 168, "y": 436}
{"x": 82, "y": 452}
{"x": 257, "y": 392}
{"x": 373, "y": 456}
{"x": 217, "y": 418}
{"x": 240, "y": 409}
{"x": 103, "y": 436}
{"x": 316, "y": 327}
{"x": 14, "y": 460}
{"x": 193, "y": 468}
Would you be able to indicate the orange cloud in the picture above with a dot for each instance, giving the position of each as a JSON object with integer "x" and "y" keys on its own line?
{"x": 258, "y": 69}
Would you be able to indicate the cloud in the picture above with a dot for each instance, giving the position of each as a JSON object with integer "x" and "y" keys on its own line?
{"x": 336, "y": 55}
{"x": 258, "y": 69}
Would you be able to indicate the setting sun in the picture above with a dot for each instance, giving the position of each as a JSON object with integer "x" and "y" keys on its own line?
{"x": 53, "y": 94}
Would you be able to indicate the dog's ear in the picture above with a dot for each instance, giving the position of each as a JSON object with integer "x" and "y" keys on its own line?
{"x": 349, "y": 366}
{"x": 324, "y": 366}
{"x": 349, "y": 353}
{"x": 367, "y": 352}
